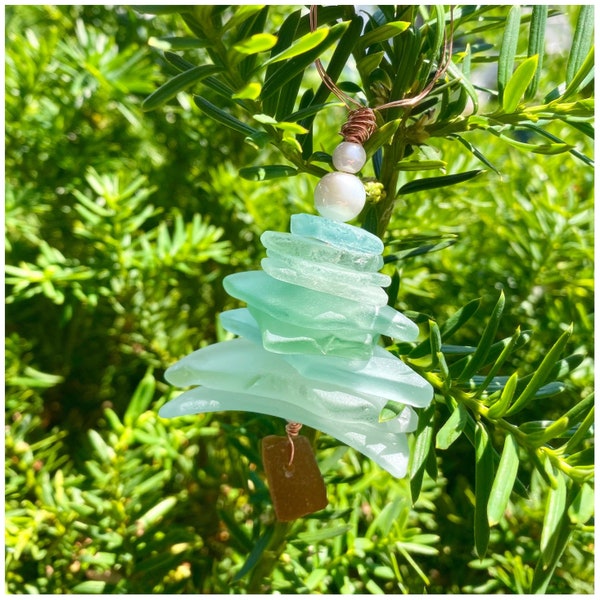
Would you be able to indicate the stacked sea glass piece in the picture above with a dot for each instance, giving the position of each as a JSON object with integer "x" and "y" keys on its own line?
{"x": 308, "y": 348}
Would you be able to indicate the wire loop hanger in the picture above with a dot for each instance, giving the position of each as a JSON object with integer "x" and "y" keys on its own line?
{"x": 361, "y": 119}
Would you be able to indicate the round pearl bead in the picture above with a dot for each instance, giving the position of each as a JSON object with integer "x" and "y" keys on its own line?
{"x": 340, "y": 196}
{"x": 349, "y": 157}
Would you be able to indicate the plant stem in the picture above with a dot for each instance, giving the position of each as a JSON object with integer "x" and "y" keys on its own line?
{"x": 269, "y": 559}
{"x": 389, "y": 179}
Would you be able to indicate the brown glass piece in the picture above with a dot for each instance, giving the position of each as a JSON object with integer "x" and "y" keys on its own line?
{"x": 297, "y": 489}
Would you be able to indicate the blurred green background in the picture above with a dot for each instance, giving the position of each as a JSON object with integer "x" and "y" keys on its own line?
{"x": 120, "y": 226}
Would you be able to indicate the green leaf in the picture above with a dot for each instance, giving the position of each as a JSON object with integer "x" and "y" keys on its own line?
{"x": 423, "y": 446}
{"x": 339, "y": 59}
{"x": 518, "y": 83}
{"x": 301, "y": 46}
{"x": 102, "y": 450}
{"x": 152, "y": 9}
{"x": 282, "y": 125}
{"x": 541, "y": 374}
{"x": 484, "y": 476}
{"x": 178, "y": 62}
{"x": 424, "y": 249}
{"x": 381, "y": 136}
{"x": 452, "y": 428}
{"x": 453, "y": 324}
{"x": 285, "y": 36}
{"x": 486, "y": 341}
{"x": 370, "y": 62}
{"x": 435, "y": 340}
{"x": 580, "y": 77}
{"x": 535, "y": 148}
{"x": 267, "y": 172}
{"x": 220, "y": 116}
{"x": 583, "y": 431}
{"x": 556, "y": 506}
{"x": 256, "y": 554}
{"x": 290, "y": 68}
{"x": 393, "y": 288}
{"x": 176, "y": 43}
{"x": 504, "y": 480}
{"x": 380, "y": 34}
{"x": 544, "y": 569}
{"x": 259, "y": 42}
{"x": 248, "y": 92}
{"x": 309, "y": 111}
{"x": 243, "y": 13}
{"x": 499, "y": 408}
{"x": 463, "y": 79}
{"x": 327, "y": 533}
{"x": 315, "y": 578}
{"x": 582, "y": 41}
{"x": 90, "y": 587}
{"x": 388, "y": 516}
{"x": 508, "y": 348}
{"x": 391, "y": 410}
{"x": 537, "y": 44}
{"x": 429, "y": 183}
{"x": 550, "y": 432}
{"x": 288, "y": 96}
{"x": 459, "y": 318}
{"x": 582, "y": 508}
{"x": 178, "y": 84}
{"x": 508, "y": 48}
{"x": 420, "y": 165}
{"x": 143, "y": 395}
{"x": 152, "y": 516}
{"x": 153, "y": 483}
{"x": 475, "y": 152}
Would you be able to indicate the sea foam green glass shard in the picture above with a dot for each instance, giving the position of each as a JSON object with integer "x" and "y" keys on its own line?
{"x": 307, "y": 348}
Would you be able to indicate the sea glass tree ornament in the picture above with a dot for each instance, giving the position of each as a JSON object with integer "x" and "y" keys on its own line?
{"x": 308, "y": 342}
{"x": 308, "y": 347}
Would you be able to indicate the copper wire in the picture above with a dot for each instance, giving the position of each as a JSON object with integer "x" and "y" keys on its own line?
{"x": 359, "y": 126}
{"x": 329, "y": 83}
{"x": 361, "y": 121}
{"x": 440, "y": 71}
{"x": 292, "y": 429}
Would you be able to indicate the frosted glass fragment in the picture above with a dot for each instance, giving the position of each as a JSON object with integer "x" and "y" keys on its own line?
{"x": 383, "y": 375}
{"x": 366, "y": 287}
{"x": 289, "y": 245}
{"x": 240, "y": 322}
{"x": 297, "y": 305}
{"x": 388, "y": 449}
{"x": 287, "y": 338}
{"x": 339, "y": 234}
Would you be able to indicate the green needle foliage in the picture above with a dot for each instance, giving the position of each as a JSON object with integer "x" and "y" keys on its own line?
{"x": 148, "y": 149}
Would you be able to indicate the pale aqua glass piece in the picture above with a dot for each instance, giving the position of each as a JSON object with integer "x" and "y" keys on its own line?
{"x": 388, "y": 449}
{"x": 307, "y": 347}
{"x": 242, "y": 322}
{"x": 366, "y": 287}
{"x": 289, "y": 245}
{"x": 321, "y": 310}
{"x": 338, "y": 234}
{"x": 287, "y": 338}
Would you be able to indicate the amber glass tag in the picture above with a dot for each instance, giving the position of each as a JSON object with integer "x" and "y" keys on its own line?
{"x": 297, "y": 489}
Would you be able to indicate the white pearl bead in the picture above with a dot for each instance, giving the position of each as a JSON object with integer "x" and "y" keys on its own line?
{"x": 340, "y": 196}
{"x": 349, "y": 157}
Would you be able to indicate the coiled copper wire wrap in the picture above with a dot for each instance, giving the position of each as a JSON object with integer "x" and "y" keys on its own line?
{"x": 292, "y": 429}
{"x": 359, "y": 126}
